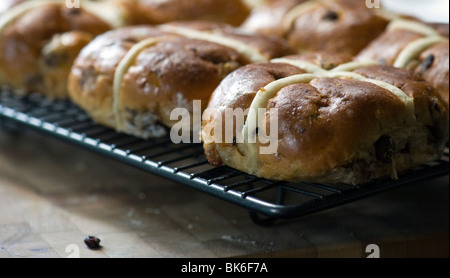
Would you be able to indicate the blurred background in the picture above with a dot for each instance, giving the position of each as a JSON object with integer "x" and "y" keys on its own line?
{"x": 427, "y": 10}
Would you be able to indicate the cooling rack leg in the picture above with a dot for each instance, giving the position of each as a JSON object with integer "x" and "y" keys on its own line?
{"x": 262, "y": 220}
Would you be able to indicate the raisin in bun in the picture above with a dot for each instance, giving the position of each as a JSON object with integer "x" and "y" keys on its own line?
{"x": 132, "y": 78}
{"x": 349, "y": 124}
{"x": 416, "y": 46}
{"x": 344, "y": 26}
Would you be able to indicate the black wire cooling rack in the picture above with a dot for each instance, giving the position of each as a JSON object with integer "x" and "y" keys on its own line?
{"x": 266, "y": 200}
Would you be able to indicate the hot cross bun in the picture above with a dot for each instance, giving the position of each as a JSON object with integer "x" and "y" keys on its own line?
{"x": 132, "y": 78}
{"x": 350, "y": 124}
{"x": 39, "y": 39}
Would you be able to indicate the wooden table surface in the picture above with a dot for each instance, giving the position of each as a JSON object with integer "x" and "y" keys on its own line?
{"x": 52, "y": 195}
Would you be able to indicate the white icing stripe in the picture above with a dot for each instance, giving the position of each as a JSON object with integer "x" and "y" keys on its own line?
{"x": 412, "y": 26}
{"x": 260, "y": 101}
{"x": 17, "y": 11}
{"x": 387, "y": 15}
{"x": 308, "y": 67}
{"x": 354, "y": 65}
{"x": 251, "y": 53}
{"x": 313, "y": 68}
{"x": 409, "y": 102}
{"x": 111, "y": 13}
{"x": 413, "y": 50}
{"x": 122, "y": 69}
{"x": 297, "y": 11}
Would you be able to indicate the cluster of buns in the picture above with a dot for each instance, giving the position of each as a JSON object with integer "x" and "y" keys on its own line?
{"x": 40, "y": 39}
{"x": 360, "y": 93}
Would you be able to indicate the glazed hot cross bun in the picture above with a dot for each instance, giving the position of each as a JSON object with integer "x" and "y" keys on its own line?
{"x": 349, "y": 124}
{"x": 39, "y": 39}
{"x": 337, "y": 26}
{"x": 416, "y": 46}
{"x": 132, "y": 78}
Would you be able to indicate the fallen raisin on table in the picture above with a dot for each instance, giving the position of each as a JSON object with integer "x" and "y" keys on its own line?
{"x": 92, "y": 242}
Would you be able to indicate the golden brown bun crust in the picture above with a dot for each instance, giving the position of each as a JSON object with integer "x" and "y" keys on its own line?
{"x": 57, "y": 59}
{"x": 442, "y": 28}
{"x": 268, "y": 45}
{"x": 243, "y": 91}
{"x": 426, "y": 99}
{"x": 348, "y": 26}
{"x": 169, "y": 74}
{"x": 336, "y": 130}
{"x": 232, "y": 12}
{"x": 326, "y": 60}
{"x": 91, "y": 77}
{"x": 267, "y": 18}
{"x": 388, "y": 46}
{"x": 432, "y": 64}
{"x": 335, "y": 26}
{"x": 22, "y": 45}
{"x": 173, "y": 74}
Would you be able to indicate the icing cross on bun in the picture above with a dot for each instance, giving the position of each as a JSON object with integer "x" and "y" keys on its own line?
{"x": 132, "y": 78}
{"x": 416, "y": 46}
{"x": 350, "y": 124}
